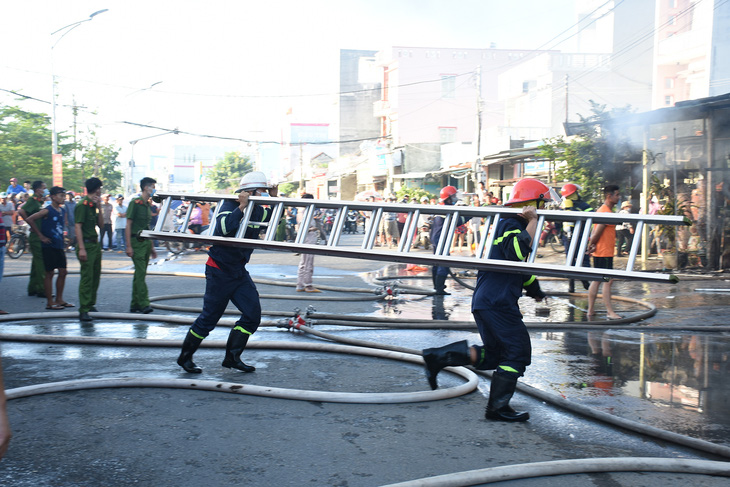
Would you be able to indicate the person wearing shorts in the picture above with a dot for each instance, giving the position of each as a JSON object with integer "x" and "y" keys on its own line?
{"x": 602, "y": 246}
{"x": 53, "y": 218}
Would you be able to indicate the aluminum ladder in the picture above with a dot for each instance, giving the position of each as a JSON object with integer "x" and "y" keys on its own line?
{"x": 363, "y": 247}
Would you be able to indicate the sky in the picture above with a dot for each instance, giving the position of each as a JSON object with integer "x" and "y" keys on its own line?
{"x": 229, "y": 68}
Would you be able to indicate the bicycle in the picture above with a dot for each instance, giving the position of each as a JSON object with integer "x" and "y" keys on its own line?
{"x": 18, "y": 241}
{"x": 552, "y": 235}
{"x": 178, "y": 247}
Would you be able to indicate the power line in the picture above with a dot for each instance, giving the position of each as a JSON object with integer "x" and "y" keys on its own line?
{"x": 39, "y": 100}
{"x": 249, "y": 141}
{"x": 632, "y": 45}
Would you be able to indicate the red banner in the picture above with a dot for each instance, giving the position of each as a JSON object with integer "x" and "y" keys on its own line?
{"x": 57, "y": 160}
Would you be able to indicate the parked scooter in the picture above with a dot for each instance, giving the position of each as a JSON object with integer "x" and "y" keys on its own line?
{"x": 423, "y": 239}
{"x": 351, "y": 221}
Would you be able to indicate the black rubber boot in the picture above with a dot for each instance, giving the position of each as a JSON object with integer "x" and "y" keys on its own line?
{"x": 456, "y": 353}
{"x": 498, "y": 408}
{"x": 189, "y": 346}
{"x": 237, "y": 341}
{"x": 440, "y": 285}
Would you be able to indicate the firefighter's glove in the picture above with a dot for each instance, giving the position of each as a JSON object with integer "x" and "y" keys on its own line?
{"x": 533, "y": 290}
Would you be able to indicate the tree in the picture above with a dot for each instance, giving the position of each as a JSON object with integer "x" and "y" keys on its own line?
{"x": 25, "y": 145}
{"x": 99, "y": 161}
{"x": 226, "y": 174}
{"x": 589, "y": 158}
{"x": 288, "y": 187}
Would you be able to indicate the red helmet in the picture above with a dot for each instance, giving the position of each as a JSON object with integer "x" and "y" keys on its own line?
{"x": 529, "y": 189}
{"x": 446, "y": 192}
{"x": 568, "y": 189}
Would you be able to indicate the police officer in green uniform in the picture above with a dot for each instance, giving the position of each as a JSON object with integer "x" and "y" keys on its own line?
{"x": 139, "y": 214}
{"x": 88, "y": 216}
{"x": 37, "y": 269}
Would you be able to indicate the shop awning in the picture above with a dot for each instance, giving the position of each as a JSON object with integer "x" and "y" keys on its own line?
{"x": 412, "y": 175}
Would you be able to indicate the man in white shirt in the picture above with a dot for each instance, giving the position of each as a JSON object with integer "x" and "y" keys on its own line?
{"x": 120, "y": 223}
{"x": 6, "y": 210}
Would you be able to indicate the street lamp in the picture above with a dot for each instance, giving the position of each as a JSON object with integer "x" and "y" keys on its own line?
{"x": 130, "y": 169}
{"x": 68, "y": 28}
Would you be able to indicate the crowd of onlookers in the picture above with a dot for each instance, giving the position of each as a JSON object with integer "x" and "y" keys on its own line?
{"x": 114, "y": 212}
{"x": 467, "y": 235}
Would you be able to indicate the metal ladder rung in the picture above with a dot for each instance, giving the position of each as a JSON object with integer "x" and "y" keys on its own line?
{"x": 413, "y": 213}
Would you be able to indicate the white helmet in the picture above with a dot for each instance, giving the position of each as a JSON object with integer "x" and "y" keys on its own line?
{"x": 253, "y": 180}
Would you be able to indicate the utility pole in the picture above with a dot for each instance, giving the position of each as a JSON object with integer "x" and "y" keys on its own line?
{"x": 75, "y": 111}
{"x": 301, "y": 167}
{"x": 477, "y": 165}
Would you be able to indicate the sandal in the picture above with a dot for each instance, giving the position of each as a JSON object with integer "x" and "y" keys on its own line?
{"x": 66, "y": 305}
{"x": 55, "y": 307}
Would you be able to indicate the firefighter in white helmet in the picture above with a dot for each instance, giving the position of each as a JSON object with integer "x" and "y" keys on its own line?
{"x": 226, "y": 278}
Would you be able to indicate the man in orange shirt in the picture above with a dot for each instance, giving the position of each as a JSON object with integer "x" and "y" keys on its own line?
{"x": 602, "y": 245}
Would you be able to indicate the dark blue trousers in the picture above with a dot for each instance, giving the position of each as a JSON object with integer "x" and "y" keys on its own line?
{"x": 506, "y": 340}
{"x": 222, "y": 288}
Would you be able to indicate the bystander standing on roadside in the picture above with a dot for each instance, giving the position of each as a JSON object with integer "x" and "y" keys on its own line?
{"x": 139, "y": 215}
{"x": 51, "y": 235}
{"x": 7, "y": 210}
{"x": 401, "y": 218}
{"x": 2, "y": 256}
{"x": 204, "y": 213}
{"x": 602, "y": 246}
{"x": 306, "y": 261}
{"x": 37, "y": 269}
{"x": 15, "y": 188}
{"x": 120, "y": 223}
{"x": 14, "y": 201}
{"x": 474, "y": 227}
{"x": 88, "y": 249}
{"x": 389, "y": 226}
{"x": 70, "y": 206}
{"x": 106, "y": 212}
{"x": 624, "y": 231}
{"x": 195, "y": 224}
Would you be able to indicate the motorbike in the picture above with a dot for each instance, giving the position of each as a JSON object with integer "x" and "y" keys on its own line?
{"x": 18, "y": 241}
{"x": 351, "y": 221}
{"x": 329, "y": 220}
{"x": 423, "y": 238}
{"x": 176, "y": 247}
{"x": 551, "y": 234}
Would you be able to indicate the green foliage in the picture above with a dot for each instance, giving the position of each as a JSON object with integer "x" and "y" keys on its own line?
{"x": 25, "y": 144}
{"x": 288, "y": 188}
{"x": 97, "y": 161}
{"x": 413, "y": 193}
{"x": 25, "y": 153}
{"x": 226, "y": 174}
{"x": 589, "y": 157}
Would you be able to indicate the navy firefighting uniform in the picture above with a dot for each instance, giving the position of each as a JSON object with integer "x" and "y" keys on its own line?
{"x": 226, "y": 277}
{"x": 494, "y": 305}
{"x": 434, "y": 235}
{"x": 576, "y": 205}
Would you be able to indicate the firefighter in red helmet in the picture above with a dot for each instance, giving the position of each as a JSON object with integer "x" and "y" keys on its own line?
{"x": 572, "y": 202}
{"x": 506, "y": 343}
{"x": 449, "y": 196}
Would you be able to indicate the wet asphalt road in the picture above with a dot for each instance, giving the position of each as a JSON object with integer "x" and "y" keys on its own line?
{"x": 187, "y": 438}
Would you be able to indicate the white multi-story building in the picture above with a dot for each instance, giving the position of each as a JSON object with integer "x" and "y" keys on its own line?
{"x": 611, "y": 66}
{"x": 692, "y": 45}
